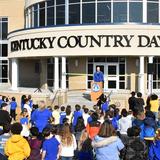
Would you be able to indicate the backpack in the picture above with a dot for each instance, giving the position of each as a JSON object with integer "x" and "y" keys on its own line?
{"x": 135, "y": 150}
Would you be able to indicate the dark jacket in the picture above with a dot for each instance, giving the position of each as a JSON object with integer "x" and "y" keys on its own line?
{"x": 4, "y": 117}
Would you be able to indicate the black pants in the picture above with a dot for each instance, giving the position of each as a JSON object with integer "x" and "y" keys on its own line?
{"x": 13, "y": 114}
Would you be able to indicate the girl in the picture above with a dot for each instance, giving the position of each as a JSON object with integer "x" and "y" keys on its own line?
{"x": 68, "y": 143}
{"x": 69, "y": 114}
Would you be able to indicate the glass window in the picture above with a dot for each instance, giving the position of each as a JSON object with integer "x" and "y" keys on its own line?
{"x": 60, "y": 2}
{"x": 88, "y": 13}
{"x": 74, "y": 1}
{"x": 50, "y": 3}
{"x": 88, "y": 0}
{"x": 4, "y": 50}
{"x": 122, "y": 69}
{"x": 35, "y": 16}
{"x": 152, "y": 12}
{"x": 42, "y": 17}
{"x": 74, "y": 14}
{"x": 120, "y": 12}
{"x": 60, "y": 15}
{"x": 103, "y": 12}
{"x": 4, "y": 30}
{"x": 135, "y": 12}
{"x": 50, "y": 15}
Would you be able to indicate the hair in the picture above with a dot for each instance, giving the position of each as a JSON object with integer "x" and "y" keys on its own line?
{"x": 133, "y": 131}
{"x": 68, "y": 110}
{"x": 46, "y": 132}
{"x": 34, "y": 131}
{"x": 16, "y": 128}
{"x": 94, "y": 116}
{"x": 63, "y": 108}
{"x": 56, "y": 107}
{"x": 4, "y": 105}
{"x": 150, "y": 114}
{"x": 6, "y": 128}
{"x": 77, "y": 107}
{"x": 86, "y": 110}
{"x": 124, "y": 112}
{"x": 13, "y": 99}
{"x": 29, "y": 97}
{"x": 107, "y": 130}
{"x": 109, "y": 114}
{"x": 80, "y": 126}
{"x": 133, "y": 93}
{"x": 139, "y": 94}
{"x": 3, "y": 98}
{"x": 154, "y": 97}
{"x": 66, "y": 135}
{"x": 26, "y": 100}
{"x": 24, "y": 112}
{"x": 53, "y": 129}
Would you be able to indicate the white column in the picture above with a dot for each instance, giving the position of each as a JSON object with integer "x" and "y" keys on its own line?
{"x": 150, "y": 78}
{"x": 63, "y": 72}
{"x": 66, "y": 12}
{"x": 141, "y": 75}
{"x": 56, "y": 73}
{"x": 14, "y": 74}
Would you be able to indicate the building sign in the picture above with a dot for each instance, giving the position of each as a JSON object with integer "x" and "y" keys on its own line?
{"x": 84, "y": 41}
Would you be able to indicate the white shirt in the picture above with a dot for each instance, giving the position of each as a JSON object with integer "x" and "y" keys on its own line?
{"x": 29, "y": 110}
{"x": 56, "y": 116}
{"x": 68, "y": 151}
{"x": 85, "y": 117}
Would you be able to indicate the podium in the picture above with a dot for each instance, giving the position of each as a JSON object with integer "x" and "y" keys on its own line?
{"x": 96, "y": 90}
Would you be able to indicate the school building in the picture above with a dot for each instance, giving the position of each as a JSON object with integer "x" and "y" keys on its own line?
{"x": 58, "y": 44}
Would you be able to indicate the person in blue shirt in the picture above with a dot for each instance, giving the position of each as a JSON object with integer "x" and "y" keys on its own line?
{"x": 98, "y": 76}
{"x": 50, "y": 147}
{"x": 77, "y": 114}
{"x": 30, "y": 101}
{"x": 13, "y": 106}
{"x": 41, "y": 116}
{"x": 1, "y": 100}
{"x": 62, "y": 115}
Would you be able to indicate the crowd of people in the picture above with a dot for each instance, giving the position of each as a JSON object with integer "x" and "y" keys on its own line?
{"x": 102, "y": 133}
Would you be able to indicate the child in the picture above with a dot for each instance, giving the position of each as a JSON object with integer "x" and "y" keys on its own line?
{"x": 86, "y": 115}
{"x": 77, "y": 113}
{"x": 135, "y": 147}
{"x": 13, "y": 106}
{"x": 62, "y": 115}
{"x": 50, "y": 147}
{"x": 35, "y": 144}
{"x": 26, "y": 106}
{"x": 139, "y": 102}
{"x": 56, "y": 114}
{"x": 30, "y": 101}
{"x": 17, "y": 147}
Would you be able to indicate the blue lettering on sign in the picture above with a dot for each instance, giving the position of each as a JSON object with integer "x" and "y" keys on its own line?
{"x": 96, "y": 87}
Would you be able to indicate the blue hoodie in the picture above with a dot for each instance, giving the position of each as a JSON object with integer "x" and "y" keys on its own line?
{"x": 154, "y": 151}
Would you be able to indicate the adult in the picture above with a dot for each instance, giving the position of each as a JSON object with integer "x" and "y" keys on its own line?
{"x": 140, "y": 102}
{"x": 132, "y": 101}
{"x": 40, "y": 117}
{"x": 98, "y": 75}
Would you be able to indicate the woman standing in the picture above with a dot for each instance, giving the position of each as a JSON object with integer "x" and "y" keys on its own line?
{"x": 107, "y": 145}
{"x": 68, "y": 143}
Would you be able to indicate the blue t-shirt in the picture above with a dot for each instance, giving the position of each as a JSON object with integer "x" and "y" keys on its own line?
{"x": 89, "y": 120}
{"x": 76, "y": 115}
{"x": 105, "y": 106}
{"x": 98, "y": 77}
{"x": 30, "y": 103}
{"x": 40, "y": 118}
{"x": 109, "y": 152}
{"x": 62, "y": 116}
{"x": 51, "y": 146}
{"x": 24, "y": 120}
{"x": 1, "y": 101}
{"x": 13, "y": 105}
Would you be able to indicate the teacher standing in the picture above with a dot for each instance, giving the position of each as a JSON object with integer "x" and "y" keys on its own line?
{"x": 98, "y": 75}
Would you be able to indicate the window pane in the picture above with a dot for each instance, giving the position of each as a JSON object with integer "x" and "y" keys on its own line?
{"x": 121, "y": 85}
{"x": 90, "y": 68}
{"x": 74, "y": 1}
{"x": 60, "y": 2}
{"x": 50, "y": 16}
{"x": 152, "y": 12}
{"x": 120, "y": 12}
{"x": 4, "y": 71}
{"x": 135, "y": 12}
{"x": 4, "y": 50}
{"x": 50, "y": 3}
{"x": 42, "y": 17}
{"x": 112, "y": 84}
{"x": 4, "y": 30}
{"x": 74, "y": 14}
{"x": 42, "y": 5}
{"x": 88, "y": 13}
{"x": 50, "y": 71}
{"x": 112, "y": 70}
{"x": 104, "y": 12}
{"x": 35, "y": 18}
{"x": 60, "y": 15}
{"x": 122, "y": 69}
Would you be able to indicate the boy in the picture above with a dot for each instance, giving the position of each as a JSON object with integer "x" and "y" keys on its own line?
{"x": 62, "y": 115}
{"x": 13, "y": 105}
{"x": 17, "y": 147}
{"x": 50, "y": 147}
{"x": 77, "y": 114}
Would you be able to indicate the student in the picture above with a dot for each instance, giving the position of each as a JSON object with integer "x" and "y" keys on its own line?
{"x": 4, "y": 115}
{"x": 62, "y": 115}
{"x": 69, "y": 113}
{"x": 23, "y": 101}
{"x": 135, "y": 147}
{"x": 140, "y": 102}
{"x": 1, "y": 101}
{"x": 40, "y": 117}
{"x": 86, "y": 115}
{"x": 77, "y": 113}
{"x": 132, "y": 101}
{"x": 26, "y": 106}
{"x": 50, "y": 147}
{"x": 56, "y": 114}
{"x": 35, "y": 144}
{"x": 13, "y": 106}
{"x": 107, "y": 149}
{"x": 30, "y": 101}
{"x": 68, "y": 143}
{"x": 94, "y": 126}
{"x": 17, "y": 147}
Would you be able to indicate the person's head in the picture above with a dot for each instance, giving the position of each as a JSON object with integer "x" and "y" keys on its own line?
{"x": 133, "y": 93}
{"x": 80, "y": 126}
{"x": 24, "y": 112}
{"x": 139, "y": 95}
{"x": 4, "y": 98}
{"x": 86, "y": 110}
{"x": 154, "y": 97}
{"x": 77, "y": 107}
{"x": 6, "y": 128}
{"x": 94, "y": 117}
{"x": 62, "y": 108}
{"x": 13, "y": 99}
{"x": 16, "y": 128}
{"x": 116, "y": 111}
{"x": 150, "y": 114}
{"x": 34, "y": 132}
{"x": 53, "y": 129}
{"x": 4, "y": 106}
{"x": 68, "y": 110}
{"x": 124, "y": 112}
{"x": 29, "y": 97}
{"x": 109, "y": 115}
{"x": 42, "y": 105}
{"x": 23, "y": 97}
{"x": 50, "y": 108}
{"x": 66, "y": 135}
{"x": 98, "y": 69}
{"x": 26, "y": 101}
{"x": 107, "y": 130}
{"x": 56, "y": 107}
{"x": 140, "y": 115}
{"x": 46, "y": 132}
{"x": 133, "y": 131}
